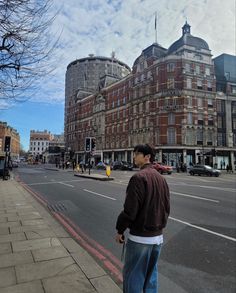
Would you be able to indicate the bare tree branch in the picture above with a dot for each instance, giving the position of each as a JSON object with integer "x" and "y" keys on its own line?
{"x": 26, "y": 45}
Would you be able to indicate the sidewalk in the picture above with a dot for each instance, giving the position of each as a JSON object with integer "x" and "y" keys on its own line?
{"x": 37, "y": 255}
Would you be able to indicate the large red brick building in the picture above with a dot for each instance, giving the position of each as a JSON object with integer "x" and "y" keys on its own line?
{"x": 169, "y": 100}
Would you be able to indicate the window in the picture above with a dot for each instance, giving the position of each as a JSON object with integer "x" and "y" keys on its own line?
{"x": 209, "y": 86}
{"x": 200, "y": 136}
{"x": 199, "y": 84}
{"x": 190, "y": 118}
{"x": 124, "y": 100}
{"x": 140, "y": 122}
{"x": 220, "y": 122}
{"x": 197, "y": 68}
{"x": 210, "y": 120}
{"x": 170, "y": 67}
{"x": 233, "y": 89}
{"x": 190, "y": 101}
{"x": 210, "y": 103}
{"x": 171, "y": 135}
{"x": 170, "y": 83}
{"x": 200, "y": 119}
{"x": 200, "y": 102}
{"x": 207, "y": 71}
{"x": 209, "y": 137}
{"x": 190, "y": 136}
{"x": 171, "y": 118}
{"x": 221, "y": 139}
{"x": 187, "y": 67}
{"x": 189, "y": 83}
{"x": 234, "y": 123}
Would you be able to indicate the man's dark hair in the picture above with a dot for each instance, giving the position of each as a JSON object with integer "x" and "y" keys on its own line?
{"x": 145, "y": 149}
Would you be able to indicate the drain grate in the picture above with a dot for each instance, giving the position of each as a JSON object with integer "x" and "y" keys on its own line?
{"x": 62, "y": 206}
{"x": 58, "y": 207}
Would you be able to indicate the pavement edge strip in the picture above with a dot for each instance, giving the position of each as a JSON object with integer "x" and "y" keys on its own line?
{"x": 93, "y": 251}
{"x": 116, "y": 273}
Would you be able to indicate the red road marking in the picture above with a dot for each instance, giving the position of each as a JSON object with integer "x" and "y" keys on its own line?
{"x": 84, "y": 239}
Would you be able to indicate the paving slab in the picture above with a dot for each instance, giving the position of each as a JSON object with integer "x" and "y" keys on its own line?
{"x": 46, "y": 269}
{"x": 23, "y": 217}
{"x": 105, "y": 285}
{"x": 60, "y": 232}
{"x": 35, "y": 244}
{"x": 39, "y": 234}
{"x": 7, "y": 277}
{"x": 49, "y": 253}
{"x": 87, "y": 264}
{"x": 34, "y": 228}
{"x": 33, "y": 222}
{"x": 10, "y": 224}
{"x": 5, "y": 248}
{"x": 3, "y": 219}
{"x": 73, "y": 283}
{"x": 70, "y": 244}
{"x": 12, "y": 259}
{"x": 31, "y": 287}
{"x": 12, "y": 237}
{"x": 4, "y": 231}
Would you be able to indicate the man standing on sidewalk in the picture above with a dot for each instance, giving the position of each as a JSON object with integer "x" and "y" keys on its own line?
{"x": 146, "y": 210}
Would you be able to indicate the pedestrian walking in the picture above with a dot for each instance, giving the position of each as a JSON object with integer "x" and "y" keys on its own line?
{"x": 145, "y": 214}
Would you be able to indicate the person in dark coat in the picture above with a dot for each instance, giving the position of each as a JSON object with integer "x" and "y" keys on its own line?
{"x": 145, "y": 214}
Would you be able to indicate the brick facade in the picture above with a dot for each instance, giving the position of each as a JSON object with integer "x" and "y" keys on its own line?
{"x": 169, "y": 100}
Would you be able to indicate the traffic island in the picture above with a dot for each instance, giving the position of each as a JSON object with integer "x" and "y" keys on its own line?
{"x": 94, "y": 176}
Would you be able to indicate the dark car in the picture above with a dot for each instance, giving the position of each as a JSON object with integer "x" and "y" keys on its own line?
{"x": 204, "y": 170}
{"x": 122, "y": 165}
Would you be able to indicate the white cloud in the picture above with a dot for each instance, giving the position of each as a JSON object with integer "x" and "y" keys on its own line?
{"x": 127, "y": 27}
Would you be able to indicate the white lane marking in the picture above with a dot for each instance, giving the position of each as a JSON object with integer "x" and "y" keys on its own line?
{"x": 194, "y": 196}
{"x": 99, "y": 194}
{"x": 203, "y": 229}
{"x": 54, "y": 182}
{"x": 220, "y": 188}
{"x": 66, "y": 184}
{"x": 204, "y": 186}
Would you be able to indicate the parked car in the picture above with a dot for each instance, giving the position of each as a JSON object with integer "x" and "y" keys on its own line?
{"x": 101, "y": 166}
{"x": 163, "y": 169}
{"x": 204, "y": 170}
{"x": 122, "y": 165}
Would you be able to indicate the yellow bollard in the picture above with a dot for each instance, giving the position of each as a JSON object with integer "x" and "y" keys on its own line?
{"x": 77, "y": 168}
{"x": 108, "y": 171}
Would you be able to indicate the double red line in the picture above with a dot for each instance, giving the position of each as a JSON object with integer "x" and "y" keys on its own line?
{"x": 108, "y": 261}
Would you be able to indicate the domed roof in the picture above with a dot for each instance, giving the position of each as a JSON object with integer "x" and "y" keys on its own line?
{"x": 188, "y": 39}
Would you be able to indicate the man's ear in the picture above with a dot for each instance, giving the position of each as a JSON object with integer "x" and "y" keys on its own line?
{"x": 148, "y": 157}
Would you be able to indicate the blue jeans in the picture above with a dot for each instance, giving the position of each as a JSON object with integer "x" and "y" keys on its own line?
{"x": 140, "y": 272}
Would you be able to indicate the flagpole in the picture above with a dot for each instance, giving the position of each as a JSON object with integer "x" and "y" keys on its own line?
{"x": 155, "y": 27}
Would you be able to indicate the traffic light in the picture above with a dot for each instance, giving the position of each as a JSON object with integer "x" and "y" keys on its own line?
{"x": 7, "y": 145}
{"x": 88, "y": 144}
{"x": 93, "y": 144}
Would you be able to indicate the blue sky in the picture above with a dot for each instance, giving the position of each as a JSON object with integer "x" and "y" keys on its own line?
{"x": 32, "y": 115}
{"x": 125, "y": 27}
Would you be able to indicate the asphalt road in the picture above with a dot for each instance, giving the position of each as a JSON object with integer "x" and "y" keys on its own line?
{"x": 199, "y": 253}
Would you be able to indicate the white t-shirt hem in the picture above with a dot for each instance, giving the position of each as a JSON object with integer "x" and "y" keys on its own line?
{"x": 146, "y": 240}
